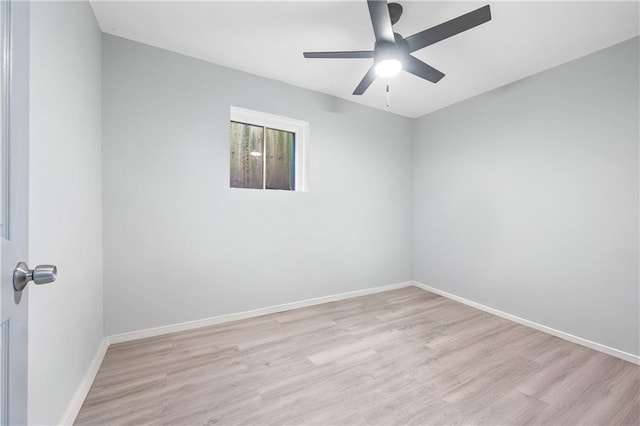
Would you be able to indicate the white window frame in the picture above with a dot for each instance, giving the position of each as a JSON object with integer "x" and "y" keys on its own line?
{"x": 277, "y": 122}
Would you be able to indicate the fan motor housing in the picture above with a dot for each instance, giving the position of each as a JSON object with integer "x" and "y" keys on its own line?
{"x": 385, "y": 50}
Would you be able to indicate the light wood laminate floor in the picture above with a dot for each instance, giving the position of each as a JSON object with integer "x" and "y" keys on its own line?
{"x": 401, "y": 357}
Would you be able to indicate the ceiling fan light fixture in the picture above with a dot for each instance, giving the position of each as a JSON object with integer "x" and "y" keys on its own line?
{"x": 388, "y": 67}
{"x": 392, "y": 52}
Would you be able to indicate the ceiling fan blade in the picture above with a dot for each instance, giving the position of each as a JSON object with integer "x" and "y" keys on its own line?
{"x": 366, "y": 81}
{"x": 343, "y": 55}
{"x": 416, "y": 67}
{"x": 381, "y": 21}
{"x": 450, "y": 28}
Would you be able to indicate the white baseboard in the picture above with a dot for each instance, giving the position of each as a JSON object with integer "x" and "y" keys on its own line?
{"x": 189, "y": 325}
{"x": 83, "y": 389}
{"x": 561, "y": 334}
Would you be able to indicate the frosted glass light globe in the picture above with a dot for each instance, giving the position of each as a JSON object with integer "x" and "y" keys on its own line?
{"x": 388, "y": 67}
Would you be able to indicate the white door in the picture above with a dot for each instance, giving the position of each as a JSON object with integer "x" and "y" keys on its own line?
{"x": 14, "y": 218}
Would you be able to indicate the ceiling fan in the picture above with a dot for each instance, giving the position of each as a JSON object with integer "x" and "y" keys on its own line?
{"x": 391, "y": 52}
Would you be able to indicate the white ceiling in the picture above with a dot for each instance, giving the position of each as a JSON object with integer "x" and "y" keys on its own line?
{"x": 267, "y": 38}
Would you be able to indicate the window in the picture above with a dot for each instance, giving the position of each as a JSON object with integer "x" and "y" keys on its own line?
{"x": 267, "y": 151}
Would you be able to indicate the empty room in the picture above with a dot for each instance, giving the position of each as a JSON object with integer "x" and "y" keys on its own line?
{"x": 320, "y": 212}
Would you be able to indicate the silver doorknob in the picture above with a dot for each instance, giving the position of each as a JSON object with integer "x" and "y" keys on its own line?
{"x": 42, "y": 274}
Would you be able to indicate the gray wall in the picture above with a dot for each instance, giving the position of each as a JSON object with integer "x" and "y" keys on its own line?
{"x": 180, "y": 245}
{"x": 65, "y": 203}
{"x": 526, "y": 198}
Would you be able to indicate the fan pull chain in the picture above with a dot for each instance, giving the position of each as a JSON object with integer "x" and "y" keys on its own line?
{"x": 388, "y": 103}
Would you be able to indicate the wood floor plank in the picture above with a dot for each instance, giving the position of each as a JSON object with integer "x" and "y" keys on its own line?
{"x": 401, "y": 357}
